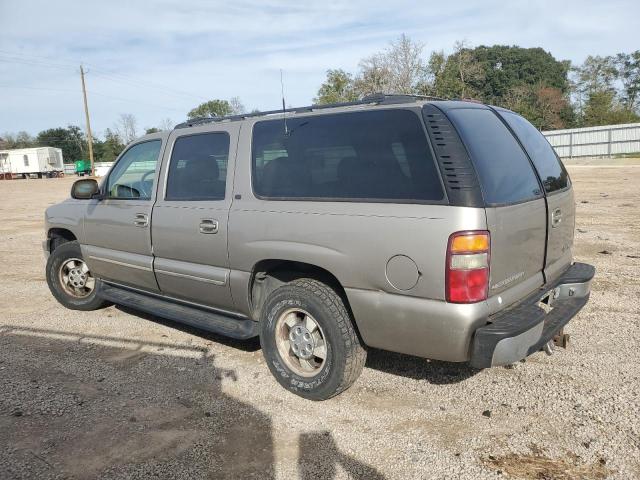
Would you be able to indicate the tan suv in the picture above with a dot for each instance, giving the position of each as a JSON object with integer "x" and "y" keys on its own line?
{"x": 441, "y": 229}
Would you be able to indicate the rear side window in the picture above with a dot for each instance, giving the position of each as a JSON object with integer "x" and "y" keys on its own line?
{"x": 504, "y": 170}
{"x": 377, "y": 155}
{"x": 198, "y": 167}
{"x": 552, "y": 172}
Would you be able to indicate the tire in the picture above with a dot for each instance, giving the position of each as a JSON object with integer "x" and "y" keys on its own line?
{"x": 344, "y": 354}
{"x": 63, "y": 254}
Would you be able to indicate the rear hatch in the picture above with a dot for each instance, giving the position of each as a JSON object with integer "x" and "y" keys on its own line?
{"x": 514, "y": 201}
{"x": 558, "y": 191}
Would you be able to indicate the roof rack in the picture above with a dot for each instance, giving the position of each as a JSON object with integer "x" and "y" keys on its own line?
{"x": 374, "y": 99}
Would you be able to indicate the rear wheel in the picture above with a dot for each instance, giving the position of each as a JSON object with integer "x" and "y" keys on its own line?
{"x": 309, "y": 341}
{"x": 70, "y": 279}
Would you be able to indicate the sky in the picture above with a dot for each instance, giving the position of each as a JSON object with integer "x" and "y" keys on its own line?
{"x": 157, "y": 60}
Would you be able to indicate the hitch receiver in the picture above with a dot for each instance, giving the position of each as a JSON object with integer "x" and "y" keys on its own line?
{"x": 561, "y": 339}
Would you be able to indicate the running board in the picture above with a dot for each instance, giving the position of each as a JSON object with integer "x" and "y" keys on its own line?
{"x": 239, "y": 328}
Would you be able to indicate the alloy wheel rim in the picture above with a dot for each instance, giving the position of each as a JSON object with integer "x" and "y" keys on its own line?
{"x": 301, "y": 342}
{"x": 75, "y": 278}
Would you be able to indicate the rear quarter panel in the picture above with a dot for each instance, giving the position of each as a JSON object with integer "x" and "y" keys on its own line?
{"x": 354, "y": 241}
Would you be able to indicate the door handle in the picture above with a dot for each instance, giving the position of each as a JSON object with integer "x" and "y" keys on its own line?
{"x": 556, "y": 217}
{"x": 208, "y": 226}
{"x": 141, "y": 220}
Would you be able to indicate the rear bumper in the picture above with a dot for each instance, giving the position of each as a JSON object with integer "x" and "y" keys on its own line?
{"x": 526, "y": 327}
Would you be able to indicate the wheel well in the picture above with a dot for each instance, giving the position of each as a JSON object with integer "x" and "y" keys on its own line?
{"x": 267, "y": 275}
{"x": 58, "y": 236}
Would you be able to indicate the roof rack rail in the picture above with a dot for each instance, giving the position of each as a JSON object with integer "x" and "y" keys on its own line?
{"x": 373, "y": 99}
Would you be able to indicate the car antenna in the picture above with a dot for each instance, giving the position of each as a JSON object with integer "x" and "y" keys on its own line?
{"x": 284, "y": 110}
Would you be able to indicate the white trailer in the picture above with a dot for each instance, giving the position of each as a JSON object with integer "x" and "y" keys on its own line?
{"x": 31, "y": 162}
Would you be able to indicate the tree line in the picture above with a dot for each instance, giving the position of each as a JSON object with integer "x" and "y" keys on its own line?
{"x": 73, "y": 141}
{"x": 550, "y": 93}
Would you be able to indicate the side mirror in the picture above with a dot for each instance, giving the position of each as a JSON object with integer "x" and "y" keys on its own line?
{"x": 85, "y": 189}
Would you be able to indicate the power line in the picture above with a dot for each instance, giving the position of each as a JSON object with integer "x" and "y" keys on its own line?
{"x": 26, "y": 61}
{"x": 133, "y": 81}
{"x": 100, "y": 94}
{"x": 67, "y": 62}
{"x": 37, "y": 60}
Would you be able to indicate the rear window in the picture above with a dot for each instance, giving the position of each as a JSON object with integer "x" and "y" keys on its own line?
{"x": 504, "y": 170}
{"x": 375, "y": 155}
{"x": 552, "y": 172}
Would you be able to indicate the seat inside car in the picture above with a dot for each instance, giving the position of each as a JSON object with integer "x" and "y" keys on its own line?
{"x": 286, "y": 176}
{"x": 200, "y": 178}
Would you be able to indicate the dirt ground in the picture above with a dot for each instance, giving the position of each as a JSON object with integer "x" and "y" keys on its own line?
{"x": 118, "y": 394}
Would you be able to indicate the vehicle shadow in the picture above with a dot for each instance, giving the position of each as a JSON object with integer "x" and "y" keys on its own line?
{"x": 417, "y": 368}
{"x": 250, "y": 345}
{"x": 90, "y": 406}
{"x": 319, "y": 457}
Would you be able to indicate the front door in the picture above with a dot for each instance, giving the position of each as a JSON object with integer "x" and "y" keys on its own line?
{"x": 190, "y": 217}
{"x": 117, "y": 243}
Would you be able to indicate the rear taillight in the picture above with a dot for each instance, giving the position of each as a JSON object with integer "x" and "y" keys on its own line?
{"x": 467, "y": 268}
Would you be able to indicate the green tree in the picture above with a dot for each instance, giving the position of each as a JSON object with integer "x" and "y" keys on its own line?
{"x": 434, "y": 78}
{"x": 596, "y": 74}
{"x": 602, "y": 108}
{"x": 151, "y": 130}
{"x": 20, "y": 140}
{"x": 338, "y": 87}
{"x": 628, "y": 69}
{"x": 607, "y": 89}
{"x": 458, "y": 75}
{"x": 109, "y": 149}
{"x": 212, "y": 108}
{"x": 506, "y": 67}
{"x": 71, "y": 140}
{"x": 545, "y": 107}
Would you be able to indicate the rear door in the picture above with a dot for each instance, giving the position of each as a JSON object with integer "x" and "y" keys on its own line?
{"x": 190, "y": 217}
{"x": 515, "y": 205}
{"x": 557, "y": 186}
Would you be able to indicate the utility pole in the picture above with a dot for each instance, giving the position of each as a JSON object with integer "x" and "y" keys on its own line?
{"x": 86, "y": 113}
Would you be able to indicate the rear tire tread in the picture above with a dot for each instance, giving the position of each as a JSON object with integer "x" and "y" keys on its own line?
{"x": 356, "y": 355}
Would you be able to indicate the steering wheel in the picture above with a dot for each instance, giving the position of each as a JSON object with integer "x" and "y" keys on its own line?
{"x": 142, "y": 182}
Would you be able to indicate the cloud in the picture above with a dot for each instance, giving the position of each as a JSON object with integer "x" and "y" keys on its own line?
{"x": 159, "y": 60}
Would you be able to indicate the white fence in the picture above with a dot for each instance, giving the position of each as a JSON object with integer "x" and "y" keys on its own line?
{"x": 602, "y": 141}
{"x": 101, "y": 168}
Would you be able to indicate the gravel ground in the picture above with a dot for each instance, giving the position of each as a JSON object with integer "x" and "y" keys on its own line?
{"x": 116, "y": 394}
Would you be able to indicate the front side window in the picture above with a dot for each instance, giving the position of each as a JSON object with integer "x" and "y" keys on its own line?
{"x": 198, "y": 167}
{"x": 505, "y": 173}
{"x": 377, "y": 155}
{"x": 133, "y": 175}
{"x": 552, "y": 172}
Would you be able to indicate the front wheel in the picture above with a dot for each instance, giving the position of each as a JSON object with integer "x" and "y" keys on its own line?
{"x": 309, "y": 341}
{"x": 70, "y": 279}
